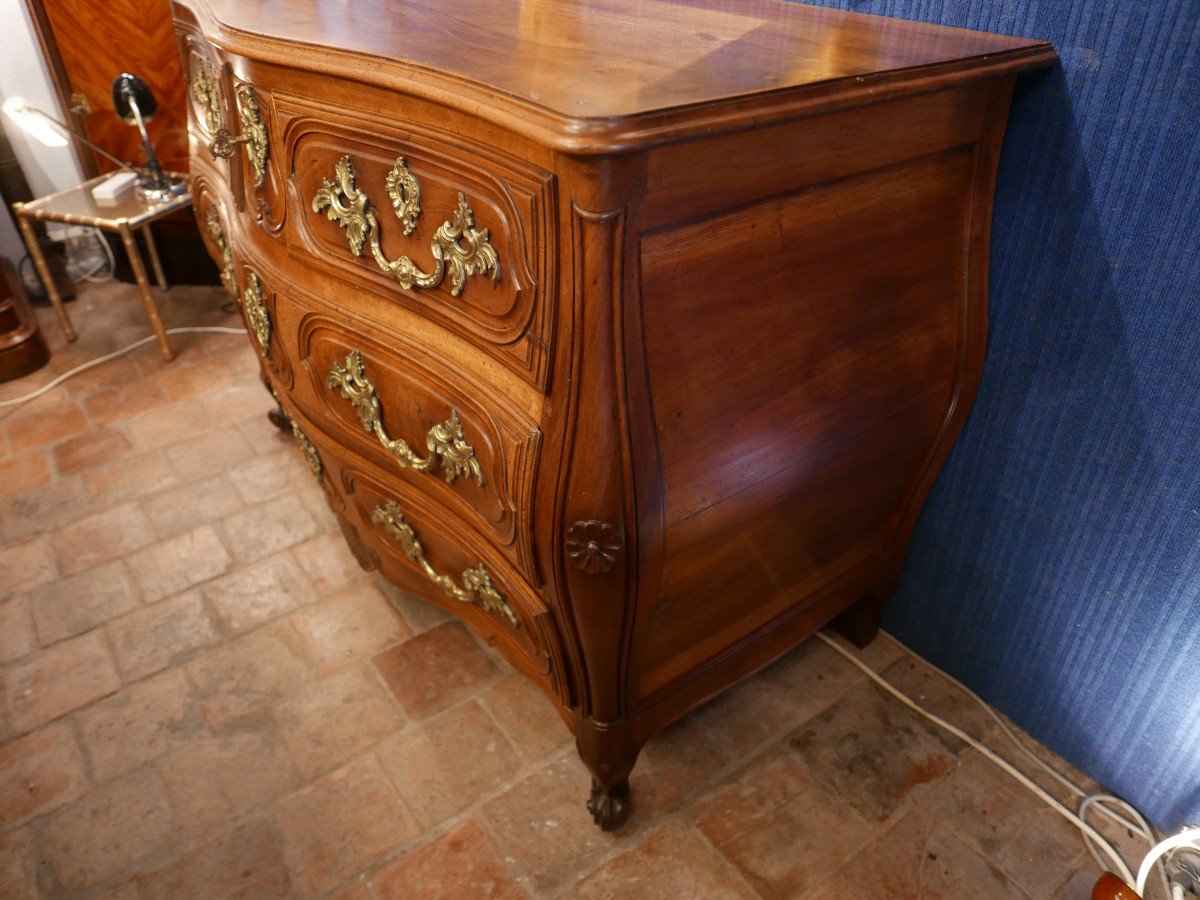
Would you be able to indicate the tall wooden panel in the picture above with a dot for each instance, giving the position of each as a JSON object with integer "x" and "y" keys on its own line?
{"x": 95, "y": 42}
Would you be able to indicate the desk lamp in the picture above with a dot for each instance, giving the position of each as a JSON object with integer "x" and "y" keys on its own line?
{"x": 134, "y": 104}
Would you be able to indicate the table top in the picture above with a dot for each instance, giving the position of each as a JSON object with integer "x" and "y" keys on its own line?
{"x": 76, "y": 206}
{"x": 599, "y": 59}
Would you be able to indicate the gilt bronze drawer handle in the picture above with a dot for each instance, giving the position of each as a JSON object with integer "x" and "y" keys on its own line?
{"x": 256, "y": 313}
{"x": 476, "y": 584}
{"x": 458, "y": 246}
{"x": 445, "y": 441}
{"x": 254, "y": 136}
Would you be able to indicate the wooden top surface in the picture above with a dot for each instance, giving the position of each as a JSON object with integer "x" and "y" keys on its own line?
{"x": 585, "y": 64}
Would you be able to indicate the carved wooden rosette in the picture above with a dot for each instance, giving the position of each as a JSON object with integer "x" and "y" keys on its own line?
{"x": 594, "y": 567}
{"x": 593, "y": 546}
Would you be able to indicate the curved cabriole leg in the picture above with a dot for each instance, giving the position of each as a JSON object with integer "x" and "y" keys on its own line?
{"x": 276, "y": 416}
{"x": 607, "y": 749}
{"x": 279, "y": 419}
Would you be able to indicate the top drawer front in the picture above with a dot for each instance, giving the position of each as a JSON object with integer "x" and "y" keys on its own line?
{"x": 454, "y": 231}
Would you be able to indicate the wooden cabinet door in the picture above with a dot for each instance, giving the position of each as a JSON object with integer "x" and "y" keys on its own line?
{"x": 88, "y": 44}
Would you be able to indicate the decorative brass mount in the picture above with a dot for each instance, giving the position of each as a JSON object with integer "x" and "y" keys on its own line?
{"x": 310, "y": 452}
{"x": 476, "y": 585}
{"x": 458, "y": 246}
{"x": 254, "y": 136}
{"x": 204, "y": 91}
{"x": 79, "y": 104}
{"x": 213, "y": 223}
{"x": 256, "y": 312}
{"x": 445, "y": 441}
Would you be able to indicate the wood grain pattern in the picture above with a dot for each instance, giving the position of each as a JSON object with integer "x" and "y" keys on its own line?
{"x": 710, "y": 402}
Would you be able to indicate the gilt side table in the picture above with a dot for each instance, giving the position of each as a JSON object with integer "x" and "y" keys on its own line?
{"x": 75, "y": 206}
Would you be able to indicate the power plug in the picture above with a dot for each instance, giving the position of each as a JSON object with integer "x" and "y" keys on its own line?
{"x": 1183, "y": 869}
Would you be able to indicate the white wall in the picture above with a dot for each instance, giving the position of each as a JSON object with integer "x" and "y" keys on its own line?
{"x": 23, "y": 73}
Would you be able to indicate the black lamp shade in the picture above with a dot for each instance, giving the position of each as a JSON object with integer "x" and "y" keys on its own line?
{"x": 127, "y": 85}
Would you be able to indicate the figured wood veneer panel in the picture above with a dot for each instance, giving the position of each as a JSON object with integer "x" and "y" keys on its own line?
{"x": 804, "y": 352}
{"x": 808, "y": 151}
{"x": 97, "y": 42}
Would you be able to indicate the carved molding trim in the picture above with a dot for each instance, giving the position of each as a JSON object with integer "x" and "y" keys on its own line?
{"x": 476, "y": 584}
{"x": 459, "y": 248}
{"x": 445, "y": 441}
{"x": 593, "y": 546}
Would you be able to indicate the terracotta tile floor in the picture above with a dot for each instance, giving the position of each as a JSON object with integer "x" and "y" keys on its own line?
{"x": 203, "y": 696}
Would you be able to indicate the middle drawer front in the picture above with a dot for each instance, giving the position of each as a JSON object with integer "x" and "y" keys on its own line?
{"x": 392, "y": 401}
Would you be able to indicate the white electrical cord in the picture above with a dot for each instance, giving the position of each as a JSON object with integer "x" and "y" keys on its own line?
{"x": 1121, "y": 868}
{"x": 211, "y": 329}
{"x": 1140, "y": 826}
{"x": 94, "y": 276}
{"x": 1143, "y": 828}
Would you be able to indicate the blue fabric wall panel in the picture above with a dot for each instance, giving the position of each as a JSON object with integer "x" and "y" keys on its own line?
{"x": 1056, "y": 565}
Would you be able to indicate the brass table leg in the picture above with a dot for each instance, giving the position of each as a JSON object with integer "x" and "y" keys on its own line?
{"x": 155, "y": 263}
{"x": 43, "y": 270}
{"x": 139, "y": 272}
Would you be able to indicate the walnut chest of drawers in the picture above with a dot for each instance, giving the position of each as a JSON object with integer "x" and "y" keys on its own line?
{"x": 632, "y": 332}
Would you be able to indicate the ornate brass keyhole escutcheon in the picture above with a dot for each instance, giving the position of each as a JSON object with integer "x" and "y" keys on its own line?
{"x": 256, "y": 313}
{"x": 254, "y": 136}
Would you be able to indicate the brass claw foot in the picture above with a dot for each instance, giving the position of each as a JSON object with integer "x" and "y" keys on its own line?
{"x": 609, "y": 807}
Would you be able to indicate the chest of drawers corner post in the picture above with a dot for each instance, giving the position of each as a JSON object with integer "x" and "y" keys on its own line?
{"x": 632, "y": 334}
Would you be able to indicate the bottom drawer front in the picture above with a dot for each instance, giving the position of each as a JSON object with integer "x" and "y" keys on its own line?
{"x": 430, "y": 552}
{"x": 475, "y": 585}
